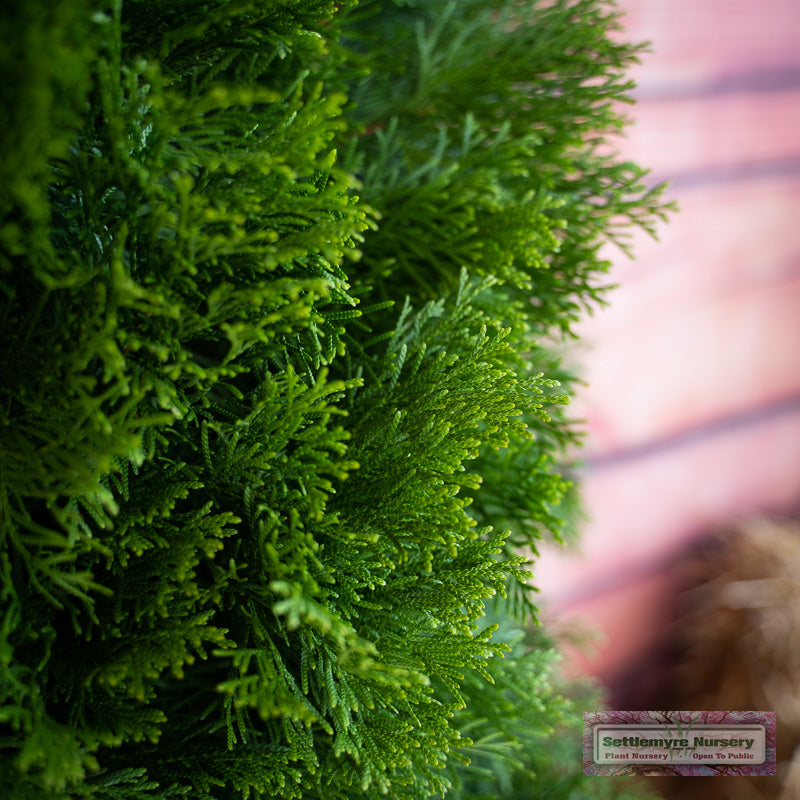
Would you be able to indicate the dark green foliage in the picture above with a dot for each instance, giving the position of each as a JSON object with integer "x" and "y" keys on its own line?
{"x": 525, "y": 735}
{"x": 484, "y": 122}
{"x": 268, "y": 448}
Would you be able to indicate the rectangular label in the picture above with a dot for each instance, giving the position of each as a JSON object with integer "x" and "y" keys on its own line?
{"x": 654, "y": 744}
{"x": 679, "y": 743}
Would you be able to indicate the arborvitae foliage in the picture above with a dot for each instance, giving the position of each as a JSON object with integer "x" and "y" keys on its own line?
{"x": 277, "y": 412}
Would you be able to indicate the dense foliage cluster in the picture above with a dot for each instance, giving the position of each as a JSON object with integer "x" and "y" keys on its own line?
{"x": 278, "y": 418}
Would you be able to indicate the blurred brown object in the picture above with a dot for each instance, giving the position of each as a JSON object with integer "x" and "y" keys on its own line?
{"x": 738, "y": 644}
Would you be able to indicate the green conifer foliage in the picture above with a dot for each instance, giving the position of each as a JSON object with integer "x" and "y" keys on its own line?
{"x": 277, "y": 412}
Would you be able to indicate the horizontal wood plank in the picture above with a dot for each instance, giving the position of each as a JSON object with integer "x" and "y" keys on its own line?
{"x": 726, "y": 238}
{"x": 708, "y": 43}
{"x": 692, "y": 367}
{"x": 704, "y": 324}
{"x": 695, "y": 137}
{"x": 642, "y": 511}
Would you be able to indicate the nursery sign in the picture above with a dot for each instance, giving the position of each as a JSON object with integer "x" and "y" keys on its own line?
{"x": 679, "y": 742}
{"x": 650, "y": 744}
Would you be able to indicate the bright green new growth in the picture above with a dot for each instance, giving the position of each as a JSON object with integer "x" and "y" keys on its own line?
{"x": 277, "y": 412}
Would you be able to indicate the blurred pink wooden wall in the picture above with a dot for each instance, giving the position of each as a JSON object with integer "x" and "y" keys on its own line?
{"x": 693, "y": 404}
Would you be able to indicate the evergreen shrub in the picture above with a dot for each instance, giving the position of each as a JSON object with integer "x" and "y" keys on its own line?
{"x": 279, "y": 421}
